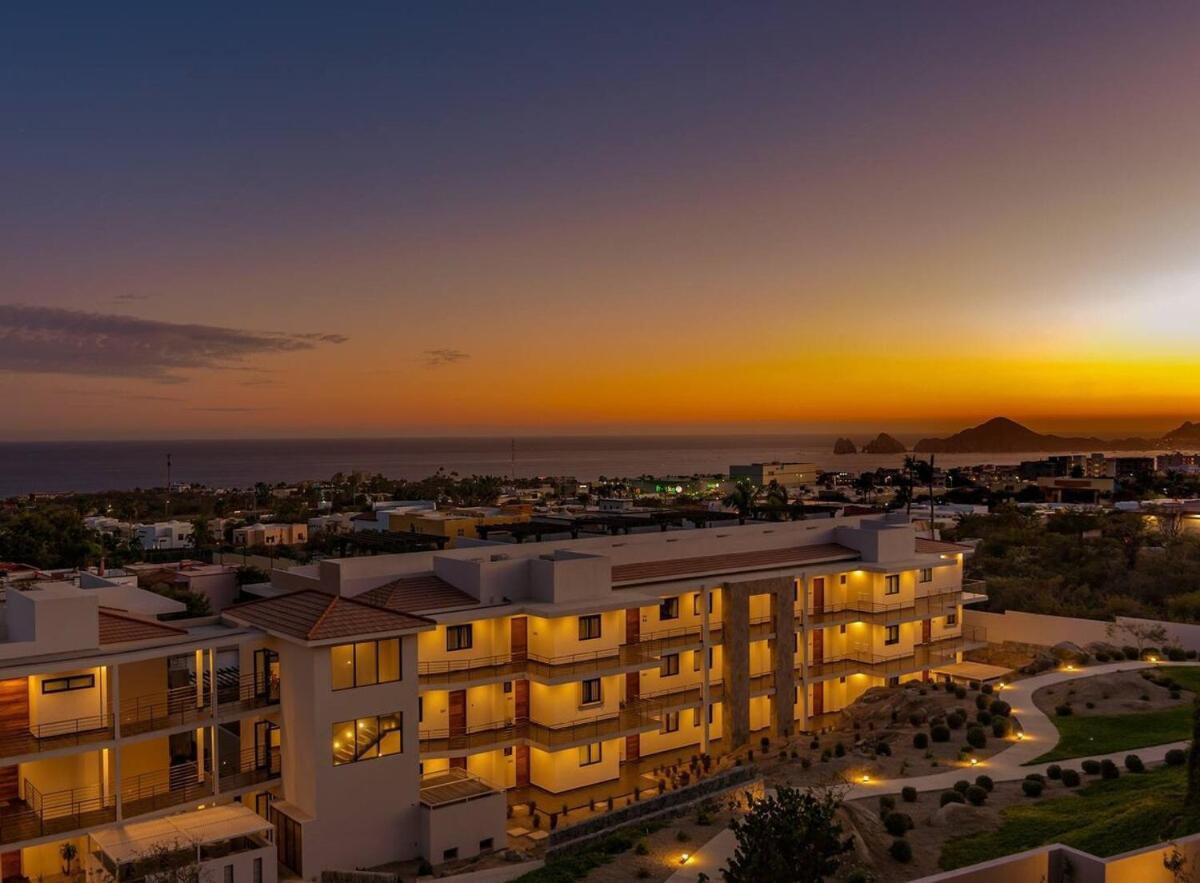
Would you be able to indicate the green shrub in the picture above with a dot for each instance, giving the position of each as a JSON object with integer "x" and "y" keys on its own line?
{"x": 1032, "y": 788}
{"x": 987, "y": 688}
{"x": 1134, "y": 764}
{"x": 897, "y": 823}
{"x": 901, "y": 851}
{"x": 1176, "y": 654}
{"x": 839, "y": 750}
{"x": 1130, "y": 652}
{"x": 921, "y": 741}
{"x": 1054, "y": 771}
{"x": 960, "y": 692}
{"x": 909, "y": 794}
{"x": 961, "y": 786}
{"x": 951, "y": 797}
{"x": 1176, "y": 757}
{"x": 983, "y": 716}
{"x": 1091, "y": 767}
{"x": 985, "y": 782}
{"x": 1063, "y": 710}
{"x": 1108, "y": 770}
{"x": 1070, "y": 778}
{"x": 976, "y": 737}
{"x": 1036, "y": 777}
{"x": 939, "y": 733}
{"x": 976, "y": 796}
{"x": 887, "y": 803}
{"x": 981, "y": 702}
{"x": 1000, "y": 707}
{"x": 955, "y": 720}
{"x": 1000, "y": 727}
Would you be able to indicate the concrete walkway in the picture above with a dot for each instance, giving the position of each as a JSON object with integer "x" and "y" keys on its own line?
{"x": 1011, "y": 764}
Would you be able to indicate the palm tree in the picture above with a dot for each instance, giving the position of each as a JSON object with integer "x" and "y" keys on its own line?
{"x": 777, "y": 498}
{"x": 865, "y": 484}
{"x": 925, "y": 474}
{"x": 201, "y": 533}
{"x": 742, "y": 498}
{"x": 910, "y": 466}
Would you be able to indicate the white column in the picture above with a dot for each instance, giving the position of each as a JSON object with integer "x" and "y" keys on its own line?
{"x": 802, "y": 585}
{"x": 114, "y": 675}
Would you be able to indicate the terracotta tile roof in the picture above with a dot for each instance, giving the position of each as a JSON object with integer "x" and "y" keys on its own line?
{"x": 315, "y": 616}
{"x": 119, "y": 627}
{"x": 934, "y": 546}
{"x": 640, "y": 571}
{"x": 418, "y": 594}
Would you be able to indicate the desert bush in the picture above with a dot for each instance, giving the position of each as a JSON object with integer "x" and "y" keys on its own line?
{"x": 985, "y": 782}
{"x": 1063, "y": 710}
{"x": 897, "y": 823}
{"x": 976, "y": 737}
{"x": 976, "y": 796}
{"x": 951, "y": 797}
{"x": 1134, "y": 764}
{"x": 909, "y": 794}
{"x": 1176, "y": 757}
{"x": 1108, "y": 770}
{"x": 1070, "y": 778}
{"x": 921, "y": 740}
{"x": 1091, "y": 767}
{"x": 901, "y": 851}
{"x": 1054, "y": 771}
{"x": 939, "y": 733}
{"x": 1032, "y": 788}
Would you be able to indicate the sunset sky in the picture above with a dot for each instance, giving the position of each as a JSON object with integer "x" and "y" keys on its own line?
{"x": 390, "y": 218}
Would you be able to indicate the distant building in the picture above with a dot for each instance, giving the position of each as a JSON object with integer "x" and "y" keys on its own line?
{"x": 216, "y": 582}
{"x": 270, "y": 534}
{"x": 1075, "y": 490}
{"x": 455, "y": 523}
{"x": 792, "y": 476}
{"x": 164, "y": 534}
{"x": 1132, "y": 467}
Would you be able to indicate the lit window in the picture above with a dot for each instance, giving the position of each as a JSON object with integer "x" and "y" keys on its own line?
{"x": 926, "y": 574}
{"x": 696, "y": 608}
{"x": 670, "y": 722}
{"x": 952, "y": 618}
{"x": 589, "y": 627}
{"x": 892, "y": 584}
{"x": 367, "y": 738}
{"x": 64, "y": 685}
{"x": 364, "y": 663}
{"x": 589, "y": 692}
{"x": 668, "y": 608}
{"x": 893, "y": 635}
{"x": 842, "y": 579}
{"x": 670, "y": 665}
{"x": 459, "y": 637}
{"x": 590, "y": 754}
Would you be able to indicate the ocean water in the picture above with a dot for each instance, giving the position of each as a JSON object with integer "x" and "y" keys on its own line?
{"x": 47, "y": 467}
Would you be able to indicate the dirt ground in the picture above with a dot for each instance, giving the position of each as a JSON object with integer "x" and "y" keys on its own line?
{"x": 1118, "y": 693}
{"x": 665, "y": 848}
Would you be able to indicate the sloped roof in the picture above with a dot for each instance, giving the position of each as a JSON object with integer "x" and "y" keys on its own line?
{"x": 119, "y": 627}
{"x": 419, "y": 593}
{"x": 311, "y": 615}
{"x": 730, "y": 562}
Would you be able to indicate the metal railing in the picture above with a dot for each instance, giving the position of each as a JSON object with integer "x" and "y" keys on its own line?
{"x": 506, "y": 664}
{"x": 57, "y": 734}
{"x": 250, "y": 767}
{"x": 163, "y": 788}
{"x": 919, "y": 606}
{"x": 183, "y": 705}
{"x": 42, "y": 814}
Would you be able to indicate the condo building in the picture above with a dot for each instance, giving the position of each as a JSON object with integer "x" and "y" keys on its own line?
{"x": 381, "y": 708}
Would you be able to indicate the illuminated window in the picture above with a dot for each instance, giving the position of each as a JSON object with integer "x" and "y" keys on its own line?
{"x": 670, "y": 665}
{"x": 670, "y": 722}
{"x": 589, "y": 692}
{"x": 892, "y": 584}
{"x": 459, "y": 637}
{"x": 952, "y": 618}
{"x": 926, "y": 574}
{"x": 893, "y": 635}
{"x": 367, "y": 738}
{"x": 589, "y": 627}
{"x": 364, "y": 663}
{"x": 591, "y": 754}
{"x": 64, "y": 685}
{"x": 668, "y": 608}
{"x": 696, "y": 611}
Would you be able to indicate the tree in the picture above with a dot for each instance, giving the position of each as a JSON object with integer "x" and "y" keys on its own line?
{"x": 925, "y": 474}
{"x": 910, "y": 467}
{"x": 865, "y": 485}
{"x": 742, "y": 498}
{"x": 201, "y": 533}
{"x": 777, "y": 499}
{"x": 1139, "y": 634}
{"x": 791, "y": 837}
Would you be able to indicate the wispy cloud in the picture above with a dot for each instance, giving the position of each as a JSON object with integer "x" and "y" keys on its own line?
{"x": 440, "y": 358}
{"x": 49, "y": 340}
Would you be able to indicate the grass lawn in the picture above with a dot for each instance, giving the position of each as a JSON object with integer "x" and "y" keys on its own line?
{"x": 1105, "y": 818}
{"x": 1085, "y": 735}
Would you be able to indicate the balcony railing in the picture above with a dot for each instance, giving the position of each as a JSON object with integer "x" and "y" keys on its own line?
{"x": 37, "y": 814}
{"x": 569, "y": 665}
{"x": 184, "y": 705}
{"x": 250, "y": 767}
{"x": 163, "y": 788}
{"x": 867, "y": 608}
{"x": 59, "y": 734}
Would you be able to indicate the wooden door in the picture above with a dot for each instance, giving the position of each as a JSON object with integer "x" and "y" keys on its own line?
{"x": 522, "y": 772}
{"x": 818, "y": 646}
{"x": 818, "y": 705}
{"x": 458, "y": 713}
{"x": 521, "y": 701}
{"x": 519, "y": 644}
{"x": 926, "y": 631}
{"x": 633, "y": 625}
{"x": 818, "y": 593}
{"x": 633, "y": 747}
{"x": 633, "y": 686}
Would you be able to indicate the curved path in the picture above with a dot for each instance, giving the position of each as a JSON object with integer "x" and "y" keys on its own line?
{"x": 1011, "y": 764}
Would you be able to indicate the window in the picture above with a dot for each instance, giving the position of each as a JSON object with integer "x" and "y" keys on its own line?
{"x": 892, "y": 584}
{"x": 668, "y": 608}
{"x": 696, "y": 717}
{"x": 670, "y": 722}
{"x": 952, "y": 619}
{"x": 485, "y": 844}
{"x": 842, "y": 629}
{"x": 589, "y": 692}
{"x": 420, "y": 709}
{"x": 365, "y": 663}
{"x": 591, "y": 754}
{"x": 228, "y": 873}
{"x": 696, "y": 603}
{"x": 842, "y": 579}
{"x": 63, "y": 685}
{"x": 367, "y": 738}
{"x": 893, "y": 635}
{"x": 508, "y": 751}
{"x": 508, "y": 686}
{"x": 449, "y": 855}
{"x": 710, "y": 713}
{"x": 589, "y": 627}
{"x": 459, "y": 637}
{"x": 670, "y": 665}
{"x": 926, "y": 574}
{"x": 894, "y": 681}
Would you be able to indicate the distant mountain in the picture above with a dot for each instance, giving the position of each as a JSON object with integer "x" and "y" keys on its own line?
{"x": 884, "y": 444}
{"x": 1003, "y": 436}
{"x": 844, "y": 446}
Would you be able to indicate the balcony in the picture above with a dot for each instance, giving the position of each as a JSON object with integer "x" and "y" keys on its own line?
{"x": 162, "y": 789}
{"x": 251, "y": 767}
{"x": 866, "y": 609}
{"x": 181, "y": 706}
{"x": 57, "y": 735}
{"x": 920, "y": 657}
{"x": 544, "y": 669}
{"x": 54, "y": 813}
